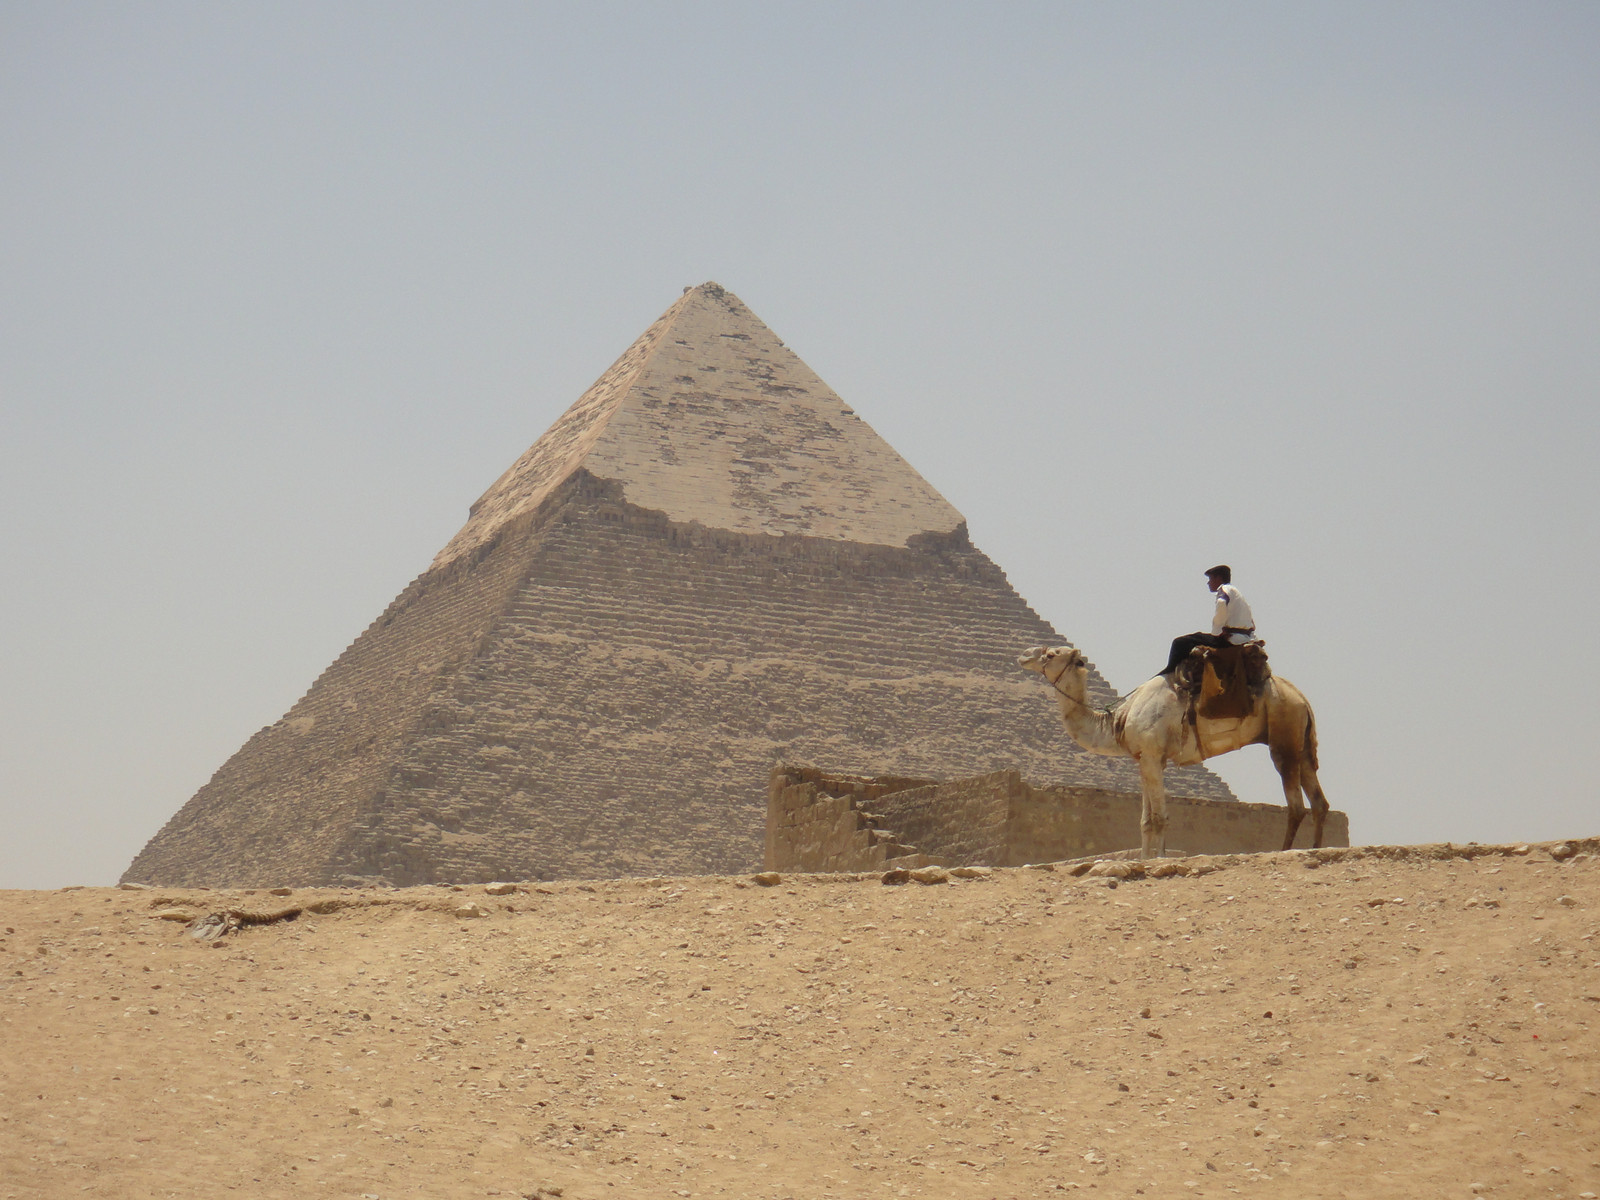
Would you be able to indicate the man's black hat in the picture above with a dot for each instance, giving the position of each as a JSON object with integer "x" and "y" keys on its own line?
{"x": 1224, "y": 570}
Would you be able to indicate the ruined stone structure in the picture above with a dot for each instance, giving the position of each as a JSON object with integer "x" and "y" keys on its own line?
{"x": 825, "y": 821}
{"x": 708, "y": 563}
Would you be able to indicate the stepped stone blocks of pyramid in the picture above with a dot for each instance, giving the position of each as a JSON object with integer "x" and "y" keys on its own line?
{"x": 708, "y": 564}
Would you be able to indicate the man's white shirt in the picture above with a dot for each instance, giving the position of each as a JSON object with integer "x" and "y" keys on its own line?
{"x": 1232, "y": 611}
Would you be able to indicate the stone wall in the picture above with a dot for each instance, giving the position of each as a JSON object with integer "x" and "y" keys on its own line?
{"x": 821, "y": 822}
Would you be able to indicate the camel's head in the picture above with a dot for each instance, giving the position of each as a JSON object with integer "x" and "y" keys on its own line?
{"x": 1052, "y": 663}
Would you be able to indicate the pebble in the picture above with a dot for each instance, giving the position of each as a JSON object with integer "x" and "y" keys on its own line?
{"x": 767, "y": 878}
{"x": 471, "y": 909}
{"x": 898, "y": 875}
{"x": 500, "y": 889}
{"x": 1566, "y": 902}
{"x": 931, "y": 875}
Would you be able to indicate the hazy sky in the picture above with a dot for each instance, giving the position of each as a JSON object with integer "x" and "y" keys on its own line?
{"x": 1310, "y": 288}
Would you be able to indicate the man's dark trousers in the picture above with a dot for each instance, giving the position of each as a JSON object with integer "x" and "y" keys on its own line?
{"x": 1182, "y": 645}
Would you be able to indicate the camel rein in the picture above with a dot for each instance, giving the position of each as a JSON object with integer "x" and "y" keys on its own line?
{"x": 1062, "y": 692}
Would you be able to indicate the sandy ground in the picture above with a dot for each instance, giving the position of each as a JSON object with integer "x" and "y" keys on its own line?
{"x": 1371, "y": 1022}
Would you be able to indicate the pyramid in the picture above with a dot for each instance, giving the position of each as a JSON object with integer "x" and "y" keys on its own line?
{"x": 708, "y": 564}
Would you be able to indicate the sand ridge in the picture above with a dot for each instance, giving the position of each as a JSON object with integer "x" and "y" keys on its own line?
{"x": 1374, "y": 1021}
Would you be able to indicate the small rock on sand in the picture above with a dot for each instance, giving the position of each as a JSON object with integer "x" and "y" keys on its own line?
{"x": 1115, "y": 869}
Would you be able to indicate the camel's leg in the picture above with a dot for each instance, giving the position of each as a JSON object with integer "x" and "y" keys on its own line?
{"x": 1319, "y": 802}
{"x": 1289, "y": 768}
{"x": 1153, "y": 820}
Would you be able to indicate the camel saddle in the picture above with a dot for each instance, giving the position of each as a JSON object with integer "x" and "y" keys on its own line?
{"x": 1224, "y": 682}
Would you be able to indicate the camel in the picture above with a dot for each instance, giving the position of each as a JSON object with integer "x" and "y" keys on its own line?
{"x": 1150, "y": 727}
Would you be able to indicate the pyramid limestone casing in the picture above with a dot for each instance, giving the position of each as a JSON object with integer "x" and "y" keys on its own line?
{"x": 707, "y": 564}
{"x": 709, "y": 418}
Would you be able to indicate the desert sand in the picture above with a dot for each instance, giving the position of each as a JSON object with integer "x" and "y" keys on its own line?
{"x": 1369, "y": 1022}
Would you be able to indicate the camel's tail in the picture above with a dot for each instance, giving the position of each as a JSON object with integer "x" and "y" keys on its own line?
{"x": 1311, "y": 738}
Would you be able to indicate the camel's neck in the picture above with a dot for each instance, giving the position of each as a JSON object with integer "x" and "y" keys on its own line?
{"x": 1095, "y": 731}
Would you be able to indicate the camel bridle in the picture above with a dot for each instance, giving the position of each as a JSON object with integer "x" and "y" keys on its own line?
{"x": 1062, "y": 692}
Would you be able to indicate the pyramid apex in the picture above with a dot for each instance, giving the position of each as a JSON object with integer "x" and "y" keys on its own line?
{"x": 710, "y": 419}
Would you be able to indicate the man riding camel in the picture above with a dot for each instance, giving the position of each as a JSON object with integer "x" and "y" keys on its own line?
{"x": 1231, "y": 623}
